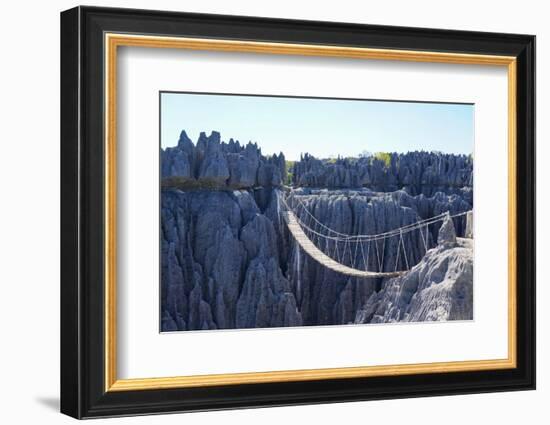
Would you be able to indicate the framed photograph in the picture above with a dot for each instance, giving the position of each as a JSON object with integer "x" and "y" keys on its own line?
{"x": 261, "y": 212}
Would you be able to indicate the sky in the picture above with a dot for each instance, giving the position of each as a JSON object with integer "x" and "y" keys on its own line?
{"x": 324, "y": 128}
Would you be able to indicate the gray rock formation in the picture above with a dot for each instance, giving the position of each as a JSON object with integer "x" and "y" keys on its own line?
{"x": 439, "y": 288}
{"x": 213, "y": 164}
{"x": 179, "y": 161}
{"x": 220, "y": 265}
{"x": 415, "y": 172}
{"x": 447, "y": 234}
{"x": 228, "y": 260}
{"x": 243, "y": 166}
{"x": 266, "y": 299}
{"x": 213, "y": 168}
{"x": 272, "y": 172}
{"x": 326, "y": 297}
{"x": 469, "y": 232}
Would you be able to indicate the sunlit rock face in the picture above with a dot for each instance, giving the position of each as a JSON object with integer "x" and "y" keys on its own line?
{"x": 438, "y": 288}
{"x": 213, "y": 164}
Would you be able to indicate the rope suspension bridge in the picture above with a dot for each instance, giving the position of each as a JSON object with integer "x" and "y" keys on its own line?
{"x": 356, "y": 255}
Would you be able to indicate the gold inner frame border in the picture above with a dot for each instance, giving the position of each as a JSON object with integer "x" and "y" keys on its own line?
{"x": 111, "y": 43}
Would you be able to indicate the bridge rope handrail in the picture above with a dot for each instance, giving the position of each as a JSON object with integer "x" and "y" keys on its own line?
{"x": 377, "y": 237}
{"x": 373, "y": 237}
{"x": 315, "y": 218}
{"x": 422, "y": 223}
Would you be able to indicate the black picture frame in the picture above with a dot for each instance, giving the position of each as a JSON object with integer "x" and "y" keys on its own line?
{"x": 83, "y": 392}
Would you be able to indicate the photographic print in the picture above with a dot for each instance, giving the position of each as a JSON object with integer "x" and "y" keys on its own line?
{"x": 283, "y": 211}
{"x": 311, "y": 211}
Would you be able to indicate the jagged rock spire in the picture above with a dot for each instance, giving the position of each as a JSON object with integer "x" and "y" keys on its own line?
{"x": 447, "y": 234}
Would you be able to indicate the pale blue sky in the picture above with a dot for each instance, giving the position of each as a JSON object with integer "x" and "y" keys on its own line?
{"x": 322, "y": 127}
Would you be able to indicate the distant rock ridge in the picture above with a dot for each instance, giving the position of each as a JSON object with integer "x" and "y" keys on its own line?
{"x": 414, "y": 172}
{"x": 213, "y": 164}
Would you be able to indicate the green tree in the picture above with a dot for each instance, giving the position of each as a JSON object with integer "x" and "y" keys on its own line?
{"x": 289, "y": 172}
{"x": 383, "y": 156}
